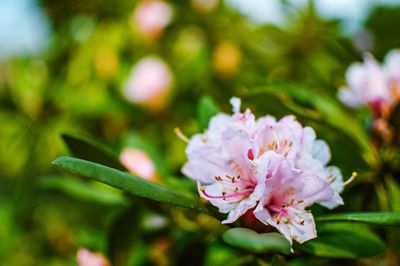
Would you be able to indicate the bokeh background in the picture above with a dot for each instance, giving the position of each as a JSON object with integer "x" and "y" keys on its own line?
{"x": 127, "y": 79}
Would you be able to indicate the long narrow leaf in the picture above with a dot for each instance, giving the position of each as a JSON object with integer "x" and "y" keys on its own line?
{"x": 378, "y": 218}
{"x": 130, "y": 183}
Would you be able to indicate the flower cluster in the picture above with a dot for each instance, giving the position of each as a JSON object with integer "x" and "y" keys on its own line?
{"x": 274, "y": 169}
{"x": 374, "y": 85}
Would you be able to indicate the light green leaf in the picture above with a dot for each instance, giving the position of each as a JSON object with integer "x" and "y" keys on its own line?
{"x": 394, "y": 194}
{"x": 130, "y": 183}
{"x": 343, "y": 240}
{"x": 259, "y": 243}
{"x": 378, "y": 218}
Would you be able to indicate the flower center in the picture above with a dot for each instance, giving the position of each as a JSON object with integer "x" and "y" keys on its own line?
{"x": 284, "y": 212}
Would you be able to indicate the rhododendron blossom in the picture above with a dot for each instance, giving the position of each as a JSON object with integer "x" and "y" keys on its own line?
{"x": 374, "y": 85}
{"x": 274, "y": 168}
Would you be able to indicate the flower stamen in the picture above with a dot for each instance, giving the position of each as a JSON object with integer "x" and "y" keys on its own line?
{"x": 225, "y": 196}
{"x": 180, "y": 135}
{"x": 351, "y": 179}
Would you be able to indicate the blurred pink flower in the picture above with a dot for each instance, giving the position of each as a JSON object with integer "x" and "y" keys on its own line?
{"x": 367, "y": 84}
{"x": 392, "y": 68}
{"x": 138, "y": 163}
{"x": 88, "y": 258}
{"x": 377, "y": 86}
{"x": 275, "y": 168}
{"x": 151, "y": 17}
{"x": 392, "y": 64}
{"x": 374, "y": 85}
{"x": 149, "y": 84}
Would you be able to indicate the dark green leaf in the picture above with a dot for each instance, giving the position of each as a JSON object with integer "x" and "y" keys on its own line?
{"x": 276, "y": 261}
{"x": 130, "y": 183}
{"x": 252, "y": 241}
{"x": 206, "y": 109}
{"x": 84, "y": 190}
{"x": 124, "y": 235}
{"x": 88, "y": 149}
{"x": 379, "y": 218}
{"x": 394, "y": 194}
{"x": 343, "y": 240}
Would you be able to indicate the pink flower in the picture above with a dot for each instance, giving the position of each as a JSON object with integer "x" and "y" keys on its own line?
{"x": 374, "y": 85}
{"x": 138, "y": 163}
{"x": 392, "y": 65}
{"x": 88, "y": 258}
{"x": 151, "y": 17}
{"x": 392, "y": 68}
{"x": 275, "y": 168}
{"x": 150, "y": 83}
{"x": 367, "y": 84}
{"x": 288, "y": 191}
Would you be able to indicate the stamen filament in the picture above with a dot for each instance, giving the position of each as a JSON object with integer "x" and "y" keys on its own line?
{"x": 180, "y": 135}
{"x": 244, "y": 192}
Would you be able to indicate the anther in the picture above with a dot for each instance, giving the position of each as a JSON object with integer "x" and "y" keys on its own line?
{"x": 351, "y": 179}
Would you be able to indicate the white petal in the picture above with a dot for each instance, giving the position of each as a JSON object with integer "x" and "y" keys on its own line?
{"x": 321, "y": 151}
{"x": 301, "y": 232}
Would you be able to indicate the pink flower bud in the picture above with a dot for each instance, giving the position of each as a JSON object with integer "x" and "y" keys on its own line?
{"x": 151, "y": 17}
{"x": 138, "y": 163}
{"x": 149, "y": 84}
{"x": 88, "y": 258}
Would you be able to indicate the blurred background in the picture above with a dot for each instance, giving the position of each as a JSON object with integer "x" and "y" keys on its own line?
{"x": 127, "y": 73}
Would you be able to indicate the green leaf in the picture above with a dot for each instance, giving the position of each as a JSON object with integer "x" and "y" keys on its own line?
{"x": 343, "y": 240}
{"x": 394, "y": 194}
{"x": 259, "y": 243}
{"x": 378, "y": 218}
{"x": 130, "y": 183}
{"x": 276, "y": 261}
{"x": 84, "y": 190}
{"x": 88, "y": 149}
{"x": 206, "y": 109}
{"x": 124, "y": 236}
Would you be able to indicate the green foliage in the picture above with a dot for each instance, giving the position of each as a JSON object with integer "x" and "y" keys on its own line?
{"x": 341, "y": 240}
{"x": 206, "y": 109}
{"x": 84, "y": 191}
{"x": 378, "y": 218}
{"x": 254, "y": 242}
{"x": 88, "y": 149}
